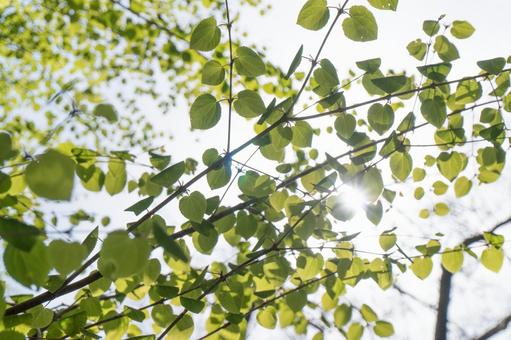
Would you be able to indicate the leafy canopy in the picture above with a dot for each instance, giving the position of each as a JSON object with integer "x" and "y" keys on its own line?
{"x": 292, "y": 225}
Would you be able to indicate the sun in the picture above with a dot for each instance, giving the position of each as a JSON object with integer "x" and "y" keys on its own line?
{"x": 354, "y": 198}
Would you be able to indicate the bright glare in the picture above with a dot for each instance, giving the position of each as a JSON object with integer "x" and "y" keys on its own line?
{"x": 353, "y": 197}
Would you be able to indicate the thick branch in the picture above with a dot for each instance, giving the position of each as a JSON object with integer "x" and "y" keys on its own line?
{"x": 445, "y": 288}
{"x": 443, "y": 305}
{"x": 499, "y": 327}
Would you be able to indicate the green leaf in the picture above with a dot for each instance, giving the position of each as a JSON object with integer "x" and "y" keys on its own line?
{"x": 11, "y": 335}
{"x": 169, "y": 176}
{"x": 380, "y": 118}
{"x": 120, "y": 256}
{"x": 28, "y": 268}
{"x": 18, "y": 234}
{"x": 41, "y": 317}
{"x": 492, "y": 258}
{"x": 267, "y": 318}
{"x": 249, "y": 104}
{"x": 368, "y": 84}
{"x": 417, "y": 49}
{"x": 384, "y": 4}
{"x": 267, "y": 112}
{"x": 389, "y": 195}
{"x": 342, "y": 315}
{"x": 507, "y": 102}
{"x": 253, "y": 185}
{"x": 193, "y": 207}
{"x": 492, "y": 66}
{"x": 462, "y": 29}
{"x": 6, "y": 151}
{"x": 369, "y": 65}
{"x": 430, "y": 27}
{"x": 314, "y": 15}
{"x": 452, "y": 259}
{"x": 219, "y": 178}
{"x": 206, "y": 35}
{"x": 440, "y": 188}
{"x": 387, "y": 241}
{"x": 159, "y": 161}
{"x": 296, "y": 300}
{"x": 434, "y": 111}
{"x": 326, "y": 76}
{"x": 383, "y": 329}
{"x": 494, "y": 133}
{"x": 51, "y": 176}
{"x": 90, "y": 241}
{"x": 462, "y": 186}
{"x": 116, "y": 176}
{"x": 355, "y": 331}
{"x": 365, "y": 146}
{"x": 183, "y": 329}
{"x": 66, "y": 257}
{"x": 92, "y": 178}
{"x": 368, "y": 313}
{"x": 374, "y": 212}
{"x": 213, "y": 73}
{"x": 168, "y": 244}
{"x": 436, "y": 72}
{"x": 401, "y": 165}
{"x": 407, "y": 123}
{"x": 493, "y": 239}
{"x": 390, "y": 84}
{"x": 167, "y": 291}
{"x": 422, "y": 267}
{"x": 311, "y": 180}
{"x": 302, "y": 134}
{"x": 446, "y": 50}
{"x": 441, "y": 209}
{"x": 194, "y": 306}
{"x": 372, "y": 184}
{"x": 360, "y": 25}
{"x": 451, "y": 164}
{"x": 206, "y": 239}
{"x": 468, "y": 91}
{"x": 295, "y": 63}
{"x": 141, "y": 205}
{"x": 418, "y": 174}
{"x": 248, "y": 63}
{"x": 205, "y": 112}
{"x": 345, "y": 125}
{"x": 107, "y": 111}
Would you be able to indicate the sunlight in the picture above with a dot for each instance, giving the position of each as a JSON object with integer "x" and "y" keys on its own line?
{"x": 353, "y": 197}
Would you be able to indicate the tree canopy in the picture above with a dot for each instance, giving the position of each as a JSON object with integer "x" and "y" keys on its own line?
{"x": 75, "y": 80}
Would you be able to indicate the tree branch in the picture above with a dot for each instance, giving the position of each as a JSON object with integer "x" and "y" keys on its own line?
{"x": 499, "y": 327}
{"x": 446, "y": 284}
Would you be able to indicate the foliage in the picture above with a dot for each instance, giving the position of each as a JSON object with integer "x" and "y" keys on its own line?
{"x": 300, "y": 208}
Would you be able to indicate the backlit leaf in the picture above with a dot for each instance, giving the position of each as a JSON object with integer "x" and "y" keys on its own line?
{"x": 462, "y": 29}
{"x": 205, "y": 112}
{"x": 51, "y": 176}
{"x": 213, "y": 73}
{"x": 206, "y": 35}
{"x": 18, "y": 234}
{"x": 360, "y": 25}
{"x": 314, "y": 15}
{"x": 248, "y": 63}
